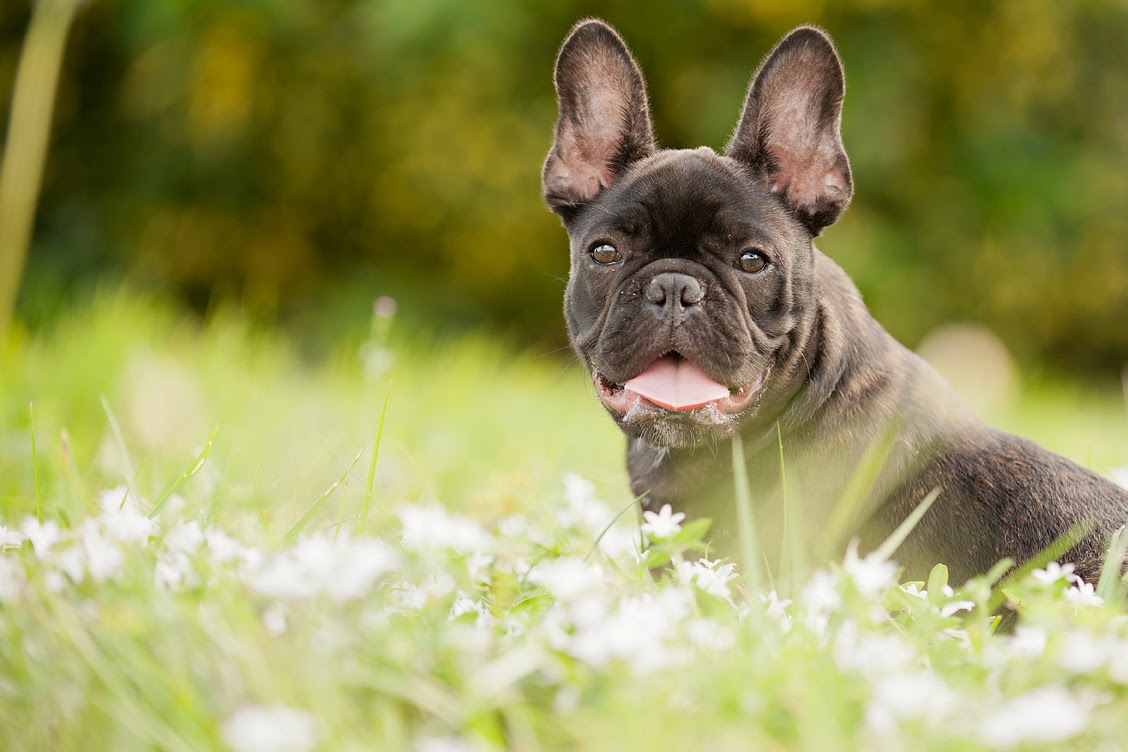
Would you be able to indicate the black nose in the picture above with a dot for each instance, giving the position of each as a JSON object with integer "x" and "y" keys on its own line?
{"x": 672, "y": 290}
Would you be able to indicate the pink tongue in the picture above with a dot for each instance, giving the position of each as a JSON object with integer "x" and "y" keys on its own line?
{"x": 676, "y": 384}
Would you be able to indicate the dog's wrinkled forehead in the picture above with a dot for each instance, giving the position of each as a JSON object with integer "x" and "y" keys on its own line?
{"x": 679, "y": 198}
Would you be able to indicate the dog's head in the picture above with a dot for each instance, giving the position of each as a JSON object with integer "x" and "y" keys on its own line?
{"x": 692, "y": 272}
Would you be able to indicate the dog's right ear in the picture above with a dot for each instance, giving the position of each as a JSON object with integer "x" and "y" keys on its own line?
{"x": 604, "y": 123}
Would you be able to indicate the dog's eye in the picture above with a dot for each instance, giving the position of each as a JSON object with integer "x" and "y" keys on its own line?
{"x": 605, "y": 253}
{"x": 753, "y": 261}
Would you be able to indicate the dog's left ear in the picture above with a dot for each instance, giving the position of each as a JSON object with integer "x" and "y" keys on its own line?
{"x": 604, "y": 123}
{"x": 790, "y": 129}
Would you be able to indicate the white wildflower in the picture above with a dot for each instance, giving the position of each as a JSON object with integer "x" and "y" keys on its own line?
{"x": 914, "y": 589}
{"x": 909, "y": 695}
{"x": 42, "y": 535}
{"x": 707, "y": 634}
{"x": 1046, "y": 715}
{"x": 820, "y": 598}
{"x": 871, "y": 654}
{"x": 640, "y": 631}
{"x": 710, "y": 576}
{"x": 222, "y": 546}
{"x": 342, "y": 568}
{"x": 12, "y": 579}
{"x": 270, "y": 728}
{"x": 1028, "y": 642}
{"x": 777, "y": 609}
{"x": 1081, "y": 653}
{"x": 664, "y": 523}
{"x": 431, "y": 527}
{"x": 1083, "y": 594}
{"x": 872, "y": 575}
{"x": 954, "y": 607}
{"x": 10, "y": 538}
{"x": 441, "y": 744}
{"x": 1052, "y": 573}
{"x": 72, "y": 560}
{"x": 568, "y": 577}
{"x": 103, "y": 558}
{"x": 174, "y": 570}
{"x": 185, "y": 537}
{"x": 274, "y": 619}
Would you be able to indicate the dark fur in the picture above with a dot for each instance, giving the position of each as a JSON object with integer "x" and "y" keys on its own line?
{"x": 835, "y": 384}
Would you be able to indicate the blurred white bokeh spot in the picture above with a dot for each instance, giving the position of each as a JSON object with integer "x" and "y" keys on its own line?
{"x": 976, "y": 363}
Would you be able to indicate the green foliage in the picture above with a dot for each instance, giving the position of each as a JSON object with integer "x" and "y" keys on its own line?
{"x": 286, "y": 151}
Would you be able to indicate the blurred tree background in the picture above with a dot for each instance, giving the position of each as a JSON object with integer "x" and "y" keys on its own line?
{"x": 301, "y": 157}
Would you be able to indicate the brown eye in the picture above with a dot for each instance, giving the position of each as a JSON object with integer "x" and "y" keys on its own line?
{"x": 753, "y": 261}
{"x": 605, "y": 253}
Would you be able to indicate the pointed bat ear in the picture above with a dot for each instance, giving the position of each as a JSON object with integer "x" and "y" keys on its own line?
{"x": 790, "y": 129}
{"x": 604, "y": 122}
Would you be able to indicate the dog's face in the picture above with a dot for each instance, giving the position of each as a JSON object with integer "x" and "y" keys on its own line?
{"x": 692, "y": 272}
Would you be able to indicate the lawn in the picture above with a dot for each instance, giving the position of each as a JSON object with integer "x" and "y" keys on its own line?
{"x": 201, "y": 549}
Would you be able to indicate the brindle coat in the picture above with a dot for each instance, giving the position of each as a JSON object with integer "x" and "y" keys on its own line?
{"x": 808, "y": 365}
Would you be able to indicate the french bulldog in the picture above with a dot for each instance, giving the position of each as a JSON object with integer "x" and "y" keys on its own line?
{"x": 703, "y": 311}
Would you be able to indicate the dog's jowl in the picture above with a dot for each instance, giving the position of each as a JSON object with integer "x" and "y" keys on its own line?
{"x": 702, "y": 309}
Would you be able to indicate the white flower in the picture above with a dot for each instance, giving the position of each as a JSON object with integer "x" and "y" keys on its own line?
{"x": 568, "y": 577}
{"x": 342, "y": 568}
{"x": 270, "y": 728}
{"x": 42, "y": 536}
{"x": 185, "y": 537}
{"x": 174, "y": 570}
{"x": 274, "y": 619}
{"x": 872, "y": 575}
{"x": 707, "y": 634}
{"x": 12, "y": 579}
{"x": 1083, "y": 594}
{"x": 431, "y": 527}
{"x": 1052, "y": 573}
{"x": 914, "y": 590}
{"x": 1046, "y": 715}
{"x": 10, "y": 538}
{"x": 777, "y": 609}
{"x": 662, "y": 524}
{"x": 955, "y": 607}
{"x": 1028, "y": 641}
{"x": 103, "y": 558}
{"x": 640, "y": 631}
{"x": 820, "y": 597}
{"x": 222, "y": 546}
{"x": 441, "y": 744}
{"x": 710, "y": 576}
{"x": 908, "y": 695}
{"x": 1081, "y": 653}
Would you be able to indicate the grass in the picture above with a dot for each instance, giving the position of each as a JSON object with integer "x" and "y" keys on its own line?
{"x": 242, "y": 550}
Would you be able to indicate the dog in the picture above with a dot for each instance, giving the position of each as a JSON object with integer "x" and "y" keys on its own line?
{"x": 703, "y": 311}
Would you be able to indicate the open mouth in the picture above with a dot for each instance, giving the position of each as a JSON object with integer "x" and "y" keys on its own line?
{"x": 673, "y": 383}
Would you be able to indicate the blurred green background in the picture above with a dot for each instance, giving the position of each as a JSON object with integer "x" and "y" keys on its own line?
{"x": 299, "y": 157}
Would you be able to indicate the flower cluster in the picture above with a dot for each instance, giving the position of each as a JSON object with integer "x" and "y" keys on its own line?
{"x": 450, "y": 613}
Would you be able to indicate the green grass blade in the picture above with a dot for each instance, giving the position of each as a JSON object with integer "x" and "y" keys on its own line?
{"x": 894, "y": 541}
{"x": 598, "y": 538}
{"x": 295, "y": 531}
{"x": 1108, "y": 584}
{"x": 792, "y": 562}
{"x": 185, "y": 476}
{"x": 367, "y": 503}
{"x": 745, "y": 520}
{"x": 126, "y": 463}
{"x": 865, "y": 476}
{"x": 35, "y": 466}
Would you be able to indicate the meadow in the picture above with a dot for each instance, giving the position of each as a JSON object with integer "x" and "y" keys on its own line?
{"x": 211, "y": 540}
